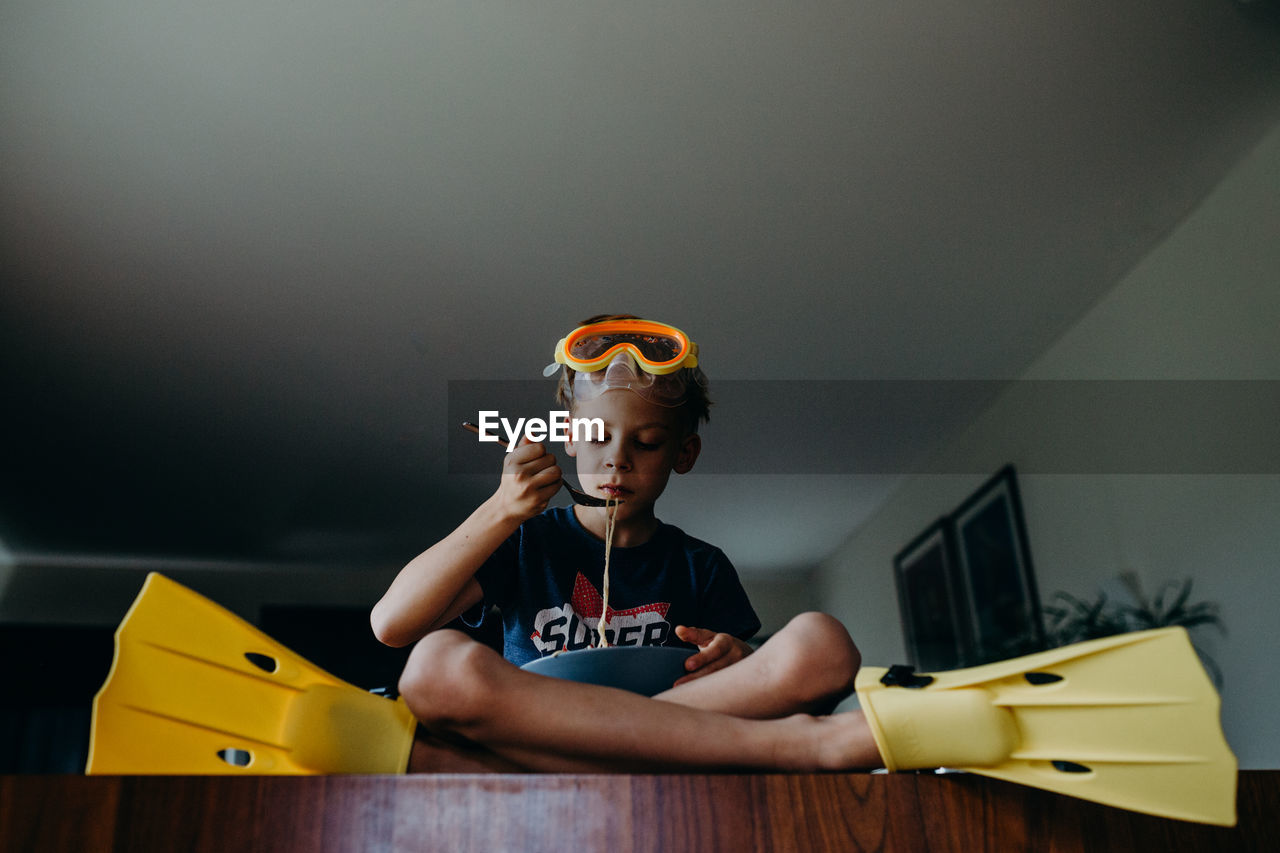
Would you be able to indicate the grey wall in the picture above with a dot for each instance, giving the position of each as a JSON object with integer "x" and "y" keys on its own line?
{"x": 1203, "y": 306}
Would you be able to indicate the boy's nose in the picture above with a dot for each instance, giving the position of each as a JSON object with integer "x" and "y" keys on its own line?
{"x": 617, "y": 459}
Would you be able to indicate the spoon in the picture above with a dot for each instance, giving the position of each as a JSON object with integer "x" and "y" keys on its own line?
{"x": 578, "y": 497}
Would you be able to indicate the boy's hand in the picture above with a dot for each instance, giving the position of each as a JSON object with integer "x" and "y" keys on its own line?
{"x": 530, "y": 479}
{"x": 715, "y": 651}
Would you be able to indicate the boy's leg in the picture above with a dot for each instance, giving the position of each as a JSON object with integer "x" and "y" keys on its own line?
{"x": 455, "y": 684}
{"x": 434, "y": 752}
{"x": 808, "y": 667}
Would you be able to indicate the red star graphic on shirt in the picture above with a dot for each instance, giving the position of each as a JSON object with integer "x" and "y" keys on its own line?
{"x": 588, "y": 602}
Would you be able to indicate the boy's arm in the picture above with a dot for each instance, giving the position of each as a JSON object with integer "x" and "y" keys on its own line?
{"x": 439, "y": 583}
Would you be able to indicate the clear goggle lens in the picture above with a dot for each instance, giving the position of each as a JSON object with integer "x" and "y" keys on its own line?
{"x": 658, "y": 350}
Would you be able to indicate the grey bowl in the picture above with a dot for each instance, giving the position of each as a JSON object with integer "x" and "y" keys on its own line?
{"x": 647, "y": 670}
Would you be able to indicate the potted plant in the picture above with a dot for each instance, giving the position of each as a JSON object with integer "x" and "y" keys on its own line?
{"x": 1071, "y": 619}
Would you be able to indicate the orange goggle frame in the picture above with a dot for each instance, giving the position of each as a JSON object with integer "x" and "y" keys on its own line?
{"x": 656, "y": 347}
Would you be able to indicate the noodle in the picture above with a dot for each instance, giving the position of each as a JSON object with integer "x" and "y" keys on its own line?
{"x": 611, "y": 510}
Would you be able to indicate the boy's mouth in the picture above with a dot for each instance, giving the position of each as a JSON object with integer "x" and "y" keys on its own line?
{"x": 614, "y": 490}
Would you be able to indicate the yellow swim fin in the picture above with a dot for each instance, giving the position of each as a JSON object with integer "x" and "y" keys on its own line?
{"x": 1130, "y": 721}
{"x": 194, "y": 689}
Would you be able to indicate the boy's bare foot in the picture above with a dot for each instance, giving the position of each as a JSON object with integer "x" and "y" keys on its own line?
{"x": 846, "y": 743}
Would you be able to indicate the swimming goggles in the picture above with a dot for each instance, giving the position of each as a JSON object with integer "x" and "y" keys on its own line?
{"x": 656, "y": 347}
{"x": 634, "y": 355}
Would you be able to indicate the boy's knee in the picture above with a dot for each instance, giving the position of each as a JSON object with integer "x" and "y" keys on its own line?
{"x": 444, "y": 679}
{"x": 826, "y": 661}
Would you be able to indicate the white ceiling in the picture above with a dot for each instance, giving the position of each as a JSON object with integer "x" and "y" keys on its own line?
{"x": 246, "y": 246}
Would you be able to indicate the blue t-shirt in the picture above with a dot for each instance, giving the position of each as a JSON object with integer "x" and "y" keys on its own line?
{"x": 547, "y": 581}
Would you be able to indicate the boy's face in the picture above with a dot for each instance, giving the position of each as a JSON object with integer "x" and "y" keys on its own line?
{"x": 643, "y": 443}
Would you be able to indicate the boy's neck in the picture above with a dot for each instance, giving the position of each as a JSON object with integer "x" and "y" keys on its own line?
{"x": 628, "y": 532}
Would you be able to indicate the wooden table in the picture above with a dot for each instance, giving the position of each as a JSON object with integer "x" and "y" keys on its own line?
{"x": 503, "y": 812}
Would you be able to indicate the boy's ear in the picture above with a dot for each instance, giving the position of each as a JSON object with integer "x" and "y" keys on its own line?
{"x": 690, "y": 447}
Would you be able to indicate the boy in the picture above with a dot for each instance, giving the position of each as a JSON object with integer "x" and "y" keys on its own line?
{"x": 733, "y": 708}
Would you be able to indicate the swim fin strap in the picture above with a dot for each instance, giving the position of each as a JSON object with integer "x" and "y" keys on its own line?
{"x": 194, "y": 689}
{"x": 1130, "y": 721}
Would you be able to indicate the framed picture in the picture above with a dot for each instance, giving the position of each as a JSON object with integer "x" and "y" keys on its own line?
{"x": 933, "y": 618}
{"x": 1001, "y": 604}
{"x": 966, "y": 589}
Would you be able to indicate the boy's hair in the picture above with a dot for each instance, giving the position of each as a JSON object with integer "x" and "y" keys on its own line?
{"x": 693, "y": 410}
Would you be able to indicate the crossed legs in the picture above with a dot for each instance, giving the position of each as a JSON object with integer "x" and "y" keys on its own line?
{"x": 756, "y": 714}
